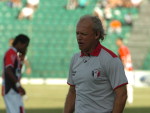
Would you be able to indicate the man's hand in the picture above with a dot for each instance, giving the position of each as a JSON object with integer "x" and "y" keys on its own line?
{"x": 21, "y": 91}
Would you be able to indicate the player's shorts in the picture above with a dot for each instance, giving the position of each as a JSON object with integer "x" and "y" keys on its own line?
{"x": 130, "y": 77}
{"x": 13, "y": 102}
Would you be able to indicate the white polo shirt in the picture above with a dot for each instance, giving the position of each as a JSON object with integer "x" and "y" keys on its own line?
{"x": 95, "y": 78}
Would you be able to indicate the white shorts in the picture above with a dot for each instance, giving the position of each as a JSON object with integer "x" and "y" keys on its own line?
{"x": 14, "y": 102}
{"x": 130, "y": 77}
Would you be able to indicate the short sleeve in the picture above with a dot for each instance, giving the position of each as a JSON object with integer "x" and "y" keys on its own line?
{"x": 70, "y": 80}
{"x": 9, "y": 59}
{"x": 116, "y": 73}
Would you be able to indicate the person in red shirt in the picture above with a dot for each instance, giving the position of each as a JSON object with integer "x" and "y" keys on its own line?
{"x": 12, "y": 89}
{"x": 125, "y": 57}
{"x": 26, "y": 68}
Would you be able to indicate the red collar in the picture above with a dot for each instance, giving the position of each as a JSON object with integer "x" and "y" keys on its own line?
{"x": 95, "y": 52}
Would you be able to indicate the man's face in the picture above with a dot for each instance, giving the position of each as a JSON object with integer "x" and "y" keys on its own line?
{"x": 23, "y": 47}
{"x": 85, "y": 34}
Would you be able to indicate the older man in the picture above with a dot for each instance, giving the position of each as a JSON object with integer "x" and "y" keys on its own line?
{"x": 97, "y": 79}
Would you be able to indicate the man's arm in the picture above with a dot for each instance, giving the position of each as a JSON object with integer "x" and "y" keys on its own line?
{"x": 70, "y": 100}
{"x": 23, "y": 58}
{"x": 120, "y": 99}
{"x": 10, "y": 74}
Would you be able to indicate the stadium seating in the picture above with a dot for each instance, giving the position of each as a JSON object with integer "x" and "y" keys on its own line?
{"x": 146, "y": 65}
{"x": 52, "y": 34}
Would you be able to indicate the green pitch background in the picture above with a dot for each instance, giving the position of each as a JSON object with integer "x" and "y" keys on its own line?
{"x": 50, "y": 99}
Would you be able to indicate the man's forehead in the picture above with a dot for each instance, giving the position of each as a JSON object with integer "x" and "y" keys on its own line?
{"x": 84, "y": 23}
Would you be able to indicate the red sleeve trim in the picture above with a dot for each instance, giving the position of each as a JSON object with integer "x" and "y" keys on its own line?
{"x": 70, "y": 84}
{"x": 120, "y": 85}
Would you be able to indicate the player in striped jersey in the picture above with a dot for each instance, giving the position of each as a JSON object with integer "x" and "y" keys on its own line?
{"x": 12, "y": 90}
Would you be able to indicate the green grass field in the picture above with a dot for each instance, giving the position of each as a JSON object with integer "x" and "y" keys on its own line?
{"x": 50, "y": 99}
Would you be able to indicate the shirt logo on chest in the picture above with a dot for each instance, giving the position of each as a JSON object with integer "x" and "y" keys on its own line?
{"x": 96, "y": 73}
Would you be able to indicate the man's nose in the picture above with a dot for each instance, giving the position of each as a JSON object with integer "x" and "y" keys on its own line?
{"x": 79, "y": 36}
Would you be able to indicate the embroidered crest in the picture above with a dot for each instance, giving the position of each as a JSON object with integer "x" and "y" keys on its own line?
{"x": 96, "y": 73}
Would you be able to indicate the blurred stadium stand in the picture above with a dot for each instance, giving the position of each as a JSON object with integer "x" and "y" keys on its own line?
{"x": 139, "y": 42}
{"x": 52, "y": 33}
{"x": 53, "y": 40}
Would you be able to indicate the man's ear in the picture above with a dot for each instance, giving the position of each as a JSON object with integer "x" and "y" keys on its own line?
{"x": 97, "y": 35}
